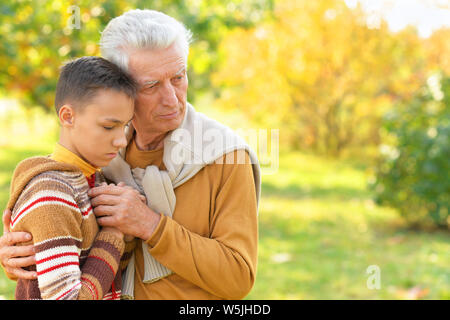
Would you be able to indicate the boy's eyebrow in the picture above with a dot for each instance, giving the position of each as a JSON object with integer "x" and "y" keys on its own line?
{"x": 116, "y": 120}
{"x": 152, "y": 82}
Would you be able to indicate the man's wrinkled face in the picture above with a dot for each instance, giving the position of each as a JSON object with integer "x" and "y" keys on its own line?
{"x": 161, "y": 100}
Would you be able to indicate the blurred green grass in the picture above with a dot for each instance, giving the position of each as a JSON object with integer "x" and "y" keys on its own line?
{"x": 319, "y": 230}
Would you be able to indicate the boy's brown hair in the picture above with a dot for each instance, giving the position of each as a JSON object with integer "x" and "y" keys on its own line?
{"x": 81, "y": 78}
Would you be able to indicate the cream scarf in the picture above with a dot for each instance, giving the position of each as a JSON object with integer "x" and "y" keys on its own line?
{"x": 198, "y": 141}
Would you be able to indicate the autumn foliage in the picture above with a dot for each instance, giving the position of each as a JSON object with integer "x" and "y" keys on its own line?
{"x": 318, "y": 72}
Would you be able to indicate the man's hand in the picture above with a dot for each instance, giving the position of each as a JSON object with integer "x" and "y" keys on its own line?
{"x": 13, "y": 258}
{"x": 124, "y": 208}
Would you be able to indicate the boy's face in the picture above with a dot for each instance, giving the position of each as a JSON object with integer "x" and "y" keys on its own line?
{"x": 96, "y": 132}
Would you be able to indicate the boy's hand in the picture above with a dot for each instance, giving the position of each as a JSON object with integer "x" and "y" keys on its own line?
{"x": 128, "y": 238}
{"x": 114, "y": 231}
{"x": 14, "y": 258}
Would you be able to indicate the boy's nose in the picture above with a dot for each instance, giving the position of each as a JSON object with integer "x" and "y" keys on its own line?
{"x": 120, "y": 142}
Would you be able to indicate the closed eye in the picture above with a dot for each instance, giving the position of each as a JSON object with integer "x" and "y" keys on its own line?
{"x": 150, "y": 85}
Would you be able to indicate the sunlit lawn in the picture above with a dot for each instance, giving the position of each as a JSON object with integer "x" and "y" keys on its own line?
{"x": 319, "y": 231}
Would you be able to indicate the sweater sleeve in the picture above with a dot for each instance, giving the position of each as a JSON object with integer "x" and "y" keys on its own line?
{"x": 224, "y": 263}
{"x": 128, "y": 252}
{"x": 48, "y": 210}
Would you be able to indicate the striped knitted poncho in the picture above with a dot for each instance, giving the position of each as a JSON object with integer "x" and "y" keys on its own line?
{"x": 74, "y": 260}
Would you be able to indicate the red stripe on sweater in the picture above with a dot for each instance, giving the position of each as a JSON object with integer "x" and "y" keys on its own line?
{"x": 57, "y": 267}
{"x": 110, "y": 266}
{"x": 109, "y": 296}
{"x": 91, "y": 181}
{"x": 85, "y": 213}
{"x": 93, "y": 286}
{"x": 68, "y": 291}
{"x": 43, "y": 199}
{"x": 114, "y": 294}
{"x": 112, "y": 270}
{"x": 57, "y": 256}
{"x": 113, "y": 291}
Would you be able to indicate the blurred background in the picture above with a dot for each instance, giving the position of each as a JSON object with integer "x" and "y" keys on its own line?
{"x": 358, "y": 206}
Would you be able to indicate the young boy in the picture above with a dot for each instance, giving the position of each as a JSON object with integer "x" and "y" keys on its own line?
{"x": 74, "y": 259}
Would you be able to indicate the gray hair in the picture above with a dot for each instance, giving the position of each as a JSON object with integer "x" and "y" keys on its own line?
{"x": 138, "y": 29}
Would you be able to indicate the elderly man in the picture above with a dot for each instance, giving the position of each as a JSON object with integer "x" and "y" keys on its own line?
{"x": 197, "y": 236}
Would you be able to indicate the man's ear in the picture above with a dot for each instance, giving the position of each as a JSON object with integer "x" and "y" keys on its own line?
{"x": 66, "y": 115}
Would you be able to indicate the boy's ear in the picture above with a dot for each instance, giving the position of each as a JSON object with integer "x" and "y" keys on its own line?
{"x": 66, "y": 115}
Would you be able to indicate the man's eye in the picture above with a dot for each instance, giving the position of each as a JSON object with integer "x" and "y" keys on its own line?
{"x": 108, "y": 128}
{"x": 149, "y": 88}
{"x": 177, "y": 80}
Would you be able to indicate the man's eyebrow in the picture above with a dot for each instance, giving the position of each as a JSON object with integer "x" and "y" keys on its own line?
{"x": 152, "y": 82}
{"x": 146, "y": 83}
{"x": 180, "y": 71}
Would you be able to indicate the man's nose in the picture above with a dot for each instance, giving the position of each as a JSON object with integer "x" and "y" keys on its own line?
{"x": 168, "y": 95}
